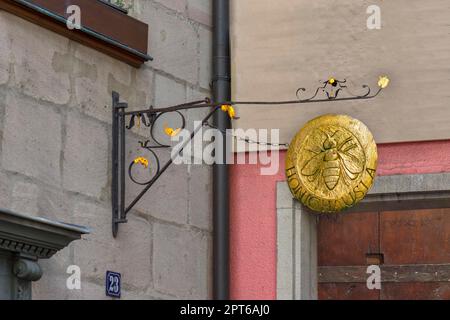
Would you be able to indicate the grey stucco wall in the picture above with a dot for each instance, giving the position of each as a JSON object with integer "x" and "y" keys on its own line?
{"x": 55, "y": 142}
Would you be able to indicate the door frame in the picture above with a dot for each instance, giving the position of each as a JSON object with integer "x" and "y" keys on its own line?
{"x": 297, "y": 225}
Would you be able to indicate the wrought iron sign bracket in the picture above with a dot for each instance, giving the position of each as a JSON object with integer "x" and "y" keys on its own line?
{"x": 122, "y": 120}
{"x": 149, "y": 118}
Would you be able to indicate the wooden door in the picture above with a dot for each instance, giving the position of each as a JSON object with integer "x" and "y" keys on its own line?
{"x": 412, "y": 249}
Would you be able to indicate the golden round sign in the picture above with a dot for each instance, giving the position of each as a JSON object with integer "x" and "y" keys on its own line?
{"x": 331, "y": 163}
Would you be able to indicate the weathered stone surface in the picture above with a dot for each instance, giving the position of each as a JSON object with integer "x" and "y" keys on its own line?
{"x": 168, "y": 92}
{"x": 200, "y": 203}
{"x": 168, "y": 198}
{"x": 97, "y": 75}
{"x": 143, "y": 83}
{"x": 85, "y": 155}
{"x": 52, "y": 204}
{"x": 96, "y": 291}
{"x": 177, "y": 5}
{"x": 200, "y": 11}
{"x": 52, "y": 285}
{"x": 128, "y": 254}
{"x": 180, "y": 258}
{"x": 194, "y": 119}
{"x": 5, "y": 50}
{"x": 173, "y": 43}
{"x": 205, "y": 56}
{"x": 5, "y": 190}
{"x": 24, "y": 198}
{"x": 88, "y": 291}
{"x": 34, "y": 49}
{"x": 2, "y": 114}
{"x": 23, "y": 195}
{"x": 196, "y": 114}
{"x": 32, "y": 139}
{"x": 195, "y": 94}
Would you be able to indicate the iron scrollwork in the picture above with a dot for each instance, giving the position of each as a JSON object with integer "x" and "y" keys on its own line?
{"x": 149, "y": 119}
{"x": 331, "y": 89}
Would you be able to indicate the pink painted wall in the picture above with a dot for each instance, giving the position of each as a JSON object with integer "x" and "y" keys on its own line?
{"x": 253, "y": 214}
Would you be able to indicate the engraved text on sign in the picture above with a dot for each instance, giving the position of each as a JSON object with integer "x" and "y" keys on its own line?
{"x": 331, "y": 163}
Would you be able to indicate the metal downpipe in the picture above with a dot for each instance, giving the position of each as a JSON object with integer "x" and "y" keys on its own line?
{"x": 221, "y": 92}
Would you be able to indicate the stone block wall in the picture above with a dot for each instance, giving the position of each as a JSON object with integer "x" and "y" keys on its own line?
{"x": 55, "y": 145}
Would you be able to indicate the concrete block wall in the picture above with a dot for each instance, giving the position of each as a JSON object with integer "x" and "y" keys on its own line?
{"x": 55, "y": 145}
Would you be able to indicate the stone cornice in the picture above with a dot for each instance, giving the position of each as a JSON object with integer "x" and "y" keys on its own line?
{"x": 34, "y": 237}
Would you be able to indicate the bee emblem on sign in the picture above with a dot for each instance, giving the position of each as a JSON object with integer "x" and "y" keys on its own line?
{"x": 331, "y": 163}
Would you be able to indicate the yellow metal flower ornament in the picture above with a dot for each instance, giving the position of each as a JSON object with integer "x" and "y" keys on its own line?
{"x": 138, "y": 122}
{"x": 142, "y": 161}
{"x": 229, "y": 109}
{"x": 333, "y": 83}
{"x": 383, "y": 82}
{"x": 171, "y": 132}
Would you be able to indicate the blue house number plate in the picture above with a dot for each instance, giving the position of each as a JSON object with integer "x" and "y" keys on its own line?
{"x": 113, "y": 283}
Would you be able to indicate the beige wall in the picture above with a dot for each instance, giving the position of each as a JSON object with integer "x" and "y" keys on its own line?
{"x": 279, "y": 46}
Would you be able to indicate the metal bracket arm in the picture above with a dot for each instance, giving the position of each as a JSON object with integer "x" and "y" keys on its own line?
{"x": 331, "y": 90}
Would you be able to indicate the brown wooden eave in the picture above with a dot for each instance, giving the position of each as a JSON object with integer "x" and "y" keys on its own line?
{"x": 103, "y": 28}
